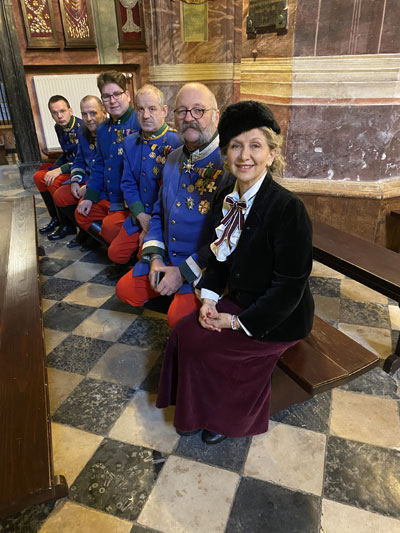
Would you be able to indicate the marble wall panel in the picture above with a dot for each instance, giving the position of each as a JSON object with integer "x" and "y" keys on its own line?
{"x": 390, "y": 41}
{"x": 340, "y": 27}
{"x": 343, "y": 142}
{"x": 306, "y": 27}
{"x": 270, "y": 44}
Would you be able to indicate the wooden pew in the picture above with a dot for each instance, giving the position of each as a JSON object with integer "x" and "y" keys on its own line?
{"x": 325, "y": 359}
{"x": 26, "y": 464}
{"x": 370, "y": 264}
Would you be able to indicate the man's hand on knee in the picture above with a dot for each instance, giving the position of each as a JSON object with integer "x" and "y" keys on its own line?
{"x": 171, "y": 282}
{"x": 84, "y": 207}
{"x": 51, "y": 175}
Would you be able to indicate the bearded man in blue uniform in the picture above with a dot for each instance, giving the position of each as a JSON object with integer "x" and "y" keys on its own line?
{"x": 101, "y": 211}
{"x": 177, "y": 243}
{"x": 145, "y": 153}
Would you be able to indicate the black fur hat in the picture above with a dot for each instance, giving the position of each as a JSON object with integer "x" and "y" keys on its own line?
{"x": 244, "y": 116}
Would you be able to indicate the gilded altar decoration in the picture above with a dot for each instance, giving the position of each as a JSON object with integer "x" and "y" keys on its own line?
{"x": 39, "y": 23}
{"x": 77, "y": 20}
{"x": 130, "y": 26}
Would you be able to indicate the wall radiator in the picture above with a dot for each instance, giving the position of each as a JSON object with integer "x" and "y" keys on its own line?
{"x": 73, "y": 87}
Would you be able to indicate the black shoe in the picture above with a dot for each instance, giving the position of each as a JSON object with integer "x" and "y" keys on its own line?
{"x": 187, "y": 433}
{"x": 62, "y": 232}
{"x": 51, "y": 226}
{"x": 74, "y": 243}
{"x": 116, "y": 271}
{"x": 209, "y": 437}
{"x": 89, "y": 244}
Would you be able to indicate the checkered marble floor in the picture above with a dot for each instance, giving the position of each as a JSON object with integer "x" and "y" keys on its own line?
{"x": 331, "y": 464}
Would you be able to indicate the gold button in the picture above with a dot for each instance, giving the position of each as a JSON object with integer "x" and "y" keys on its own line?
{"x": 111, "y": 155}
{"x": 173, "y": 239}
{"x": 145, "y": 142}
{"x": 183, "y": 186}
{"x": 110, "y": 192}
{"x": 113, "y": 142}
{"x": 109, "y": 169}
{"x": 174, "y": 254}
{"x": 108, "y": 181}
{"x": 144, "y": 159}
{"x": 178, "y": 204}
{"x": 144, "y": 190}
{"x": 173, "y": 222}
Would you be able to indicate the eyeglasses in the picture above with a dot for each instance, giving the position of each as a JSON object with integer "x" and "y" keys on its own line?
{"x": 107, "y": 97}
{"x": 196, "y": 112}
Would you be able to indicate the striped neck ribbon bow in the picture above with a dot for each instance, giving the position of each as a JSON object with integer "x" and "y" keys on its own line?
{"x": 232, "y": 220}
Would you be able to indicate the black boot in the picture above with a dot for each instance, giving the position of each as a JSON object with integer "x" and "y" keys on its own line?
{"x": 116, "y": 271}
{"x": 67, "y": 227}
{"x": 94, "y": 231}
{"x": 51, "y": 208}
{"x": 79, "y": 240}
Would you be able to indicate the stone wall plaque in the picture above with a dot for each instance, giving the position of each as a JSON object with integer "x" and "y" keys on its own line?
{"x": 194, "y": 20}
{"x": 266, "y": 16}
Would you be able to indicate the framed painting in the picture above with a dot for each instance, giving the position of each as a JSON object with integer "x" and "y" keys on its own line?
{"x": 130, "y": 24}
{"x": 77, "y": 21}
{"x": 39, "y": 23}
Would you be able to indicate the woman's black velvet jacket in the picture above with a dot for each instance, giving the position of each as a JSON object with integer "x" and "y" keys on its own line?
{"x": 267, "y": 274}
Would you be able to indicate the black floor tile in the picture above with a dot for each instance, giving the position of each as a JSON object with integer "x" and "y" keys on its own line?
{"x": 230, "y": 453}
{"x": 27, "y": 521}
{"x": 77, "y": 354}
{"x": 118, "y": 479}
{"x": 94, "y": 406}
{"x": 325, "y": 286}
{"x": 141, "y": 529}
{"x": 261, "y": 507}
{"x": 364, "y": 313}
{"x": 58, "y": 288}
{"x": 375, "y": 382}
{"x": 50, "y": 265}
{"x": 363, "y": 475}
{"x": 115, "y": 304}
{"x": 98, "y": 256}
{"x": 63, "y": 316}
{"x": 150, "y": 384}
{"x": 313, "y": 414}
{"x": 146, "y": 332}
{"x": 101, "y": 277}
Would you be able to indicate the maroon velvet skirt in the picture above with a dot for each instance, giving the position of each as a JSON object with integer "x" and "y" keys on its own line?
{"x": 218, "y": 381}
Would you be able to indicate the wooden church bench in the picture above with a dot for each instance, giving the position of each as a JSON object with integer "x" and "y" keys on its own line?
{"x": 325, "y": 359}
{"x": 26, "y": 463}
{"x": 370, "y": 264}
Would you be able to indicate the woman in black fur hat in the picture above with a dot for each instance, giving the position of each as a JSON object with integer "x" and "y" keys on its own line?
{"x": 218, "y": 362}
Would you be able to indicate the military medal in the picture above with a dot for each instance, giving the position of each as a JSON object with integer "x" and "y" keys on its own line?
{"x": 120, "y": 136}
{"x": 188, "y": 166}
{"x": 120, "y": 151}
{"x": 204, "y": 207}
{"x": 210, "y": 165}
{"x": 189, "y": 202}
{"x": 156, "y": 170}
{"x": 201, "y": 186}
{"x": 152, "y": 155}
{"x": 91, "y": 146}
{"x": 159, "y": 159}
{"x": 190, "y": 188}
{"x": 71, "y": 136}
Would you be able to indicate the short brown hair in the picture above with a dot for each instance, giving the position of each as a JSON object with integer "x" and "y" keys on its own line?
{"x": 89, "y": 97}
{"x": 57, "y": 98}
{"x": 148, "y": 88}
{"x": 111, "y": 76}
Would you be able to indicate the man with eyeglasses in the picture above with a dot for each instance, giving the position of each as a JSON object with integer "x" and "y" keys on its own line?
{"x": 101, "y": 212}
{"x": 51, "y": 176}
{"x": 145, "y": 153}
{"x": 176, "y": 246}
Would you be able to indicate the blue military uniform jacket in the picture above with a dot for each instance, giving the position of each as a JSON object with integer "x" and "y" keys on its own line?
{"x": 105, "y": 178}
{"x": 68, "y": 139}
{"x": 180, "y": 226}
{"x": 144, "y": 159}
{"x": 85, "y": 157}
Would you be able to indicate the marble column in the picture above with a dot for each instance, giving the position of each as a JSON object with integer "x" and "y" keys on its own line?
{"x": 17, "y": 95}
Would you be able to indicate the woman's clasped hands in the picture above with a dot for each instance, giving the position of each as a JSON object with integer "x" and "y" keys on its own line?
{"x": 211, "y": 319}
